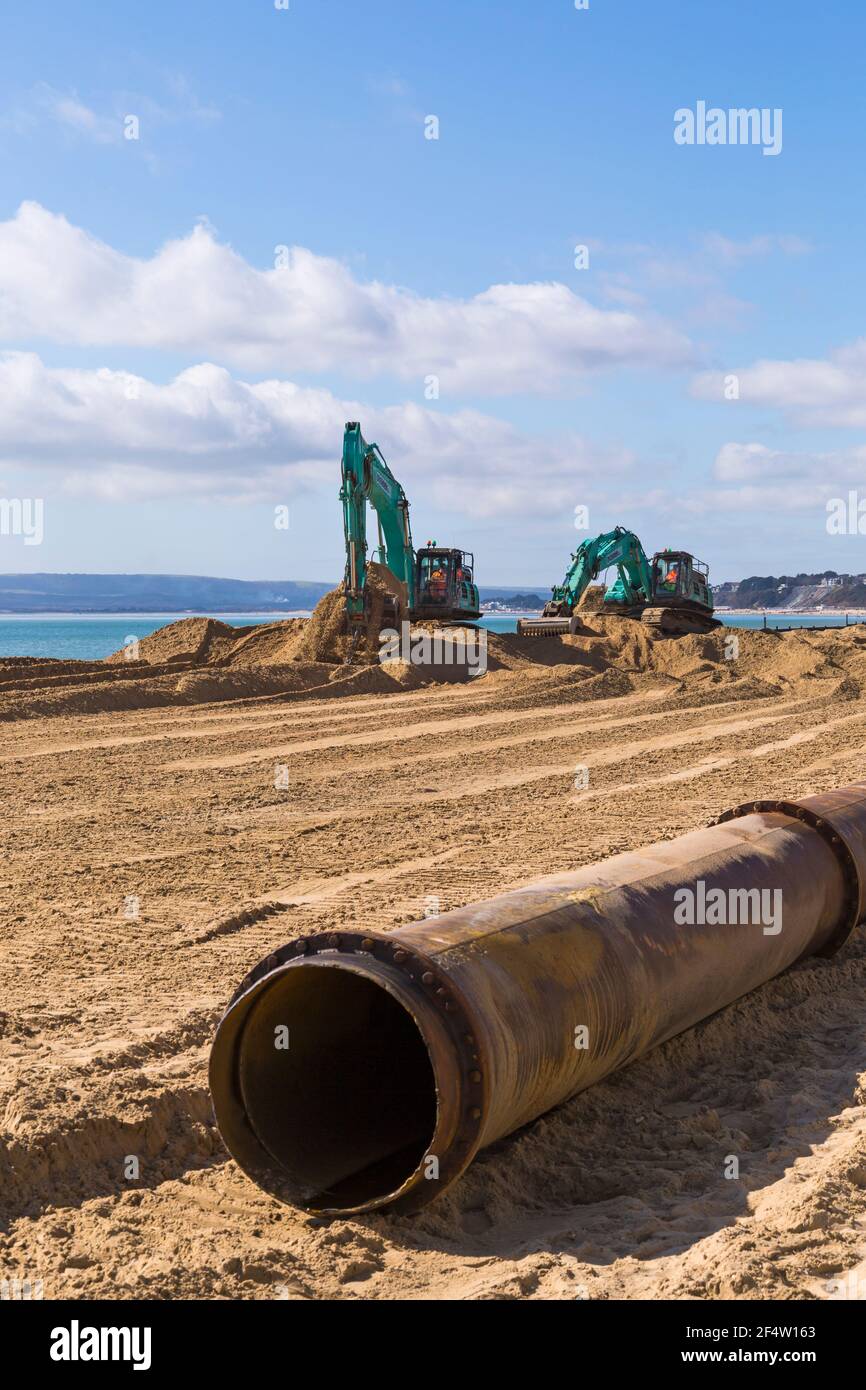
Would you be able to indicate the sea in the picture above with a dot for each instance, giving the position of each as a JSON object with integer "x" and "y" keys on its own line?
{"x": 92, "y": 636}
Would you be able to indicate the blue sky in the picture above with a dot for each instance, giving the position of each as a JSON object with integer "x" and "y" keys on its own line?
{"x": 164, "y": 385}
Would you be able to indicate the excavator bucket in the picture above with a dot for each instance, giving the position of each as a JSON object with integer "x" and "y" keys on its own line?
{"x": 547, "y": 627}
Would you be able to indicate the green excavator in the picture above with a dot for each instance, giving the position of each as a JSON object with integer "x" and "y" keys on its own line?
{"x": 671, "y": 592}
{"x": 437, "y": 582}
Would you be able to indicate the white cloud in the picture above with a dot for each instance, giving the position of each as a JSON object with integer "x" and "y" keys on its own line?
{"x": 197, "y": 295}
{"x": 692, "y": 277}
{"x": 116, "y": 435}
{"x": 388, "y": 86}
{"x": 736, "y": 463}
{"x": 811, "y": 391}
{"x": 756, "y": 477}
{"x": 103, "y": 121}
{"x": 69, "y": 111}
{"x": 733, "y": 253}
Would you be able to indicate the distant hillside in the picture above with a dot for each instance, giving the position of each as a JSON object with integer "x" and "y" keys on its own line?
{"x": 173, "y": 593}
{"x": 152, "y": 593}
{"x": 794, "y": 592}
{"x": 513, "y": 601}
{"x": 184, "y": 593}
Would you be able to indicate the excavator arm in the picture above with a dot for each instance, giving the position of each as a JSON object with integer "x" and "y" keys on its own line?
{"x": 617, "y": 547}
{"x": 368, "y": 479}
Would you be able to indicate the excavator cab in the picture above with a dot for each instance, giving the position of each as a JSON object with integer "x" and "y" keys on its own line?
{"x": 681, "y": 599}
{"x": 444, "y": 584}
{"x": 679, "y": 579}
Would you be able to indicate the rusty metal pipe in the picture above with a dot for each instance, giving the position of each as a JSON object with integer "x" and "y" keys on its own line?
{"x": 354, "y": 1071}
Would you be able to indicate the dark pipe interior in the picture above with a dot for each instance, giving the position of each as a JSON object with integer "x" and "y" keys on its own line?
{"x": 349, "y": 1108}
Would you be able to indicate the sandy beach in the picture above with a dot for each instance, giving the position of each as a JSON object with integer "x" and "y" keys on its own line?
{"x": 150, "y": 860}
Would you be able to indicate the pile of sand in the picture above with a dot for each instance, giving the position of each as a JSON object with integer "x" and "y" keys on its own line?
{"x": 266, "y": 644}
{"x": 592, "y": 598}
{"x": 298, "y": 658}
{"x": 382, "y": 585}
{"x": 325, "y": 636}
{"x": 189, "y": 641}
{"x": 726, "y": 657}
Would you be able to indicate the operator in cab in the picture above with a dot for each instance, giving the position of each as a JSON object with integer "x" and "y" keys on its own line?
{"x": 438, "y": 584}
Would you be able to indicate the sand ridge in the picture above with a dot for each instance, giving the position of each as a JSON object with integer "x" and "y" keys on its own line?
{"x": 197, "y": 660}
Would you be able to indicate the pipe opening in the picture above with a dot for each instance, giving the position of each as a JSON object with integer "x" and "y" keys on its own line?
{"x": 348, "y": 1109}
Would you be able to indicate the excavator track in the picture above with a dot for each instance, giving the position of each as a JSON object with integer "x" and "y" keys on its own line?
{"x": 671, "y": 622}
{"x": 679, "y": 622}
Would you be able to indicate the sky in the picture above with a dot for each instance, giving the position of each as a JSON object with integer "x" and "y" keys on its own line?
{"x": 480, "y": 230}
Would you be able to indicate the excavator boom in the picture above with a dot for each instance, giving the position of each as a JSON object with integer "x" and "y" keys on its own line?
{"x": 436, "y": 583}
{"x": 367, "y": 478}
{"x": 617, "y": 547}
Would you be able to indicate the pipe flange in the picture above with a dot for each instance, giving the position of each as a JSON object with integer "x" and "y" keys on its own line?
{"x": 422, "y": 970}
{"x": 832, "y": 837}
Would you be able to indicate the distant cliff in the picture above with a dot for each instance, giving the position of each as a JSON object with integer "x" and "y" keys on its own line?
{"x": 794, "y": 592}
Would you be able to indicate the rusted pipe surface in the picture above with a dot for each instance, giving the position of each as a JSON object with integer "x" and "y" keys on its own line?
{"x": 353, "y": 1071}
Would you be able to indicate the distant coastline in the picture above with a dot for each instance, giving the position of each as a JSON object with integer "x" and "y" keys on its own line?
{"x": 788, "y": 612}
{"x": 186, "y": 595}
{"x": 169, "y": 614}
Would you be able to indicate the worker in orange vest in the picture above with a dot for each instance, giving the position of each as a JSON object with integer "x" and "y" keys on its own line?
{"x": 438, "y": 585}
